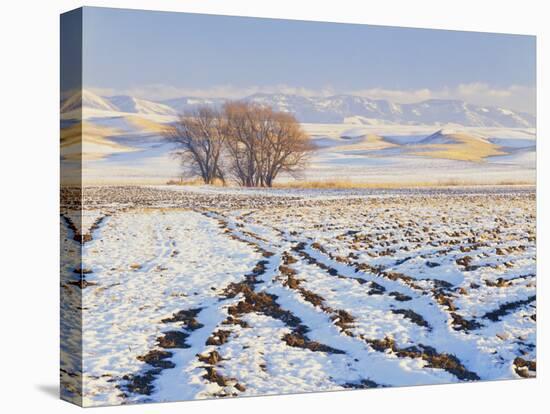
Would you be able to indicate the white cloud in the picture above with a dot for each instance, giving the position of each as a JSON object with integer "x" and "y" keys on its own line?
{"x": 162, "y": 92}
{"x": 396, "y": 95}
{"x": 515, "y": 97}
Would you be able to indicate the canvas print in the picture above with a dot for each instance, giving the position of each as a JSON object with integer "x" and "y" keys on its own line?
{"x": 259, "y": 206}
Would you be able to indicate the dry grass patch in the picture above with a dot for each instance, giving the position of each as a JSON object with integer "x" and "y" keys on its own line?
{"x": 462, "y": 148}
{"x": 146, "y": 124}
{"x": 87, "y": 141}
{"x": 349, "y": 184}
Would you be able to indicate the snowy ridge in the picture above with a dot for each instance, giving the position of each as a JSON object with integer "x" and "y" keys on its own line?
{"x": 86, "y": 99}
{"x": 141, "y": 106}
{"x": 450, "y": 136}
{"x": 333, "y": 109}
{"x": 337, "y": 109}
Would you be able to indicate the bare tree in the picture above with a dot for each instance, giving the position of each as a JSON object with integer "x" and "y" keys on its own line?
{"x": 251, "y": 143}
{"x": 200, "y": 137}
{"x": 241, "y": 142}
{"x": 286, "y": 149}
{"x": 262, "y": 143}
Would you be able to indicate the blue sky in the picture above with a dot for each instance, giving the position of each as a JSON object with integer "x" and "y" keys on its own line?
{"x": 160, "y": 55}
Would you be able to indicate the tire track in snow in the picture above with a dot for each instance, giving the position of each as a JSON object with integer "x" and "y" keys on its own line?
{"x": 238, "y": 299}
{"x": 160, "y": 370}
{"x": 435, "y": 359}
{"x": 268, "y": 299}
{"x": 403, "y": 289}
{"x": 83, "y": 239}
{"x": 453, "y": 342}
{"x": 80, "y": 237}
{"x": 185, "y": 340}
{"x": 256, "y": 297}
{"x": 341, "y": 320}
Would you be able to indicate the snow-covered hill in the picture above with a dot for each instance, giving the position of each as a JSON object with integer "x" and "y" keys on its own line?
{"x": 366, "y": 111}
{"x": 336, "y": 109}
{"x": 130, "y": 104}
{"x": 329, "y": 110}
{"x": 449, "y": 136}
{"x": 85, "y": 99}
{"x": 104, "y": 106}
{"x": 184, "y": 104}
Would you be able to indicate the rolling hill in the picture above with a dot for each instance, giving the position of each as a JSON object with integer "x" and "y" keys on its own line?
{"x": 459, "y": 146}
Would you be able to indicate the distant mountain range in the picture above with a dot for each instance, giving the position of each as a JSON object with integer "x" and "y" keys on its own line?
{"x": 332, "y": 109}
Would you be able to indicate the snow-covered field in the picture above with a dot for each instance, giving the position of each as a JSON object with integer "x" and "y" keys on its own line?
{"x": 205, "y": 292}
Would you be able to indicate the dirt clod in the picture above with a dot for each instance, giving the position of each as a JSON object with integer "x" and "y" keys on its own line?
{"x": 157, "y": 358}
{"x": 188, "y": 317}
{"x": 173, "y": 339}
{"x": 218, "y": 338}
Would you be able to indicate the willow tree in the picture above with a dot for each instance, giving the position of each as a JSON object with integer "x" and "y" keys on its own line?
{"x": 262, "y": 143}
{"x": 200, "y": 140}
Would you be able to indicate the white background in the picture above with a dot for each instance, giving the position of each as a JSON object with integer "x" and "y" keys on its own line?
{"x": 29, "y": 137}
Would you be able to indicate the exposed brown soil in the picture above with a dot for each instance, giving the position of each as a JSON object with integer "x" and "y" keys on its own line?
{"x": 173, "y": 339}
{"x": 413, "y": 317}
{"x": 507, "y": 308}
{"x": 289, "y": 259}
{"x": 212, "y": 358}
{"x": 500, "y": 283}
{"x": 265, "y": 303}
{"x": 262, "y": 303}
{"x": 447, "y": 362}
{"x": 140, "y": 383}
{"x": 70, "y": 224}
{"x": 231, "y": 320}
{"x": 443, "y": 296}
{"x": 525, "y": 368}
{"x": 215, "y": 377}
{"x": 83, "y": 238}
{"x": 158, "y": 359}
{"x": 363, "y": 384}
{"x": 298, "y": 340}
{"x": 287, "y": 271}
{"x": 445, "y": 301}
{"x": 376, "y": 289}
{"x": 396, "y": 276}
{"x": 317, "y": 246}
{"x": 300, "y": 249}
{"x": 218, "y": 337}
{"x": 466, "y": 261}
{"x": 500, "y": 251}
{"x": 188, "y": 317}
{"x": 461, "y": 324}
{"x": 292, "y": 282}
{"x": 82, "y": 283}
{"x": 343, "y": 319}
{"x": 82, "y": 271}
{"x": 313, "y": 298}
{"x": 400, "y": 297}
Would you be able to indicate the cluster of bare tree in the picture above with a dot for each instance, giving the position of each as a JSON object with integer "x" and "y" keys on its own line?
{"x": 248, "y": 143}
